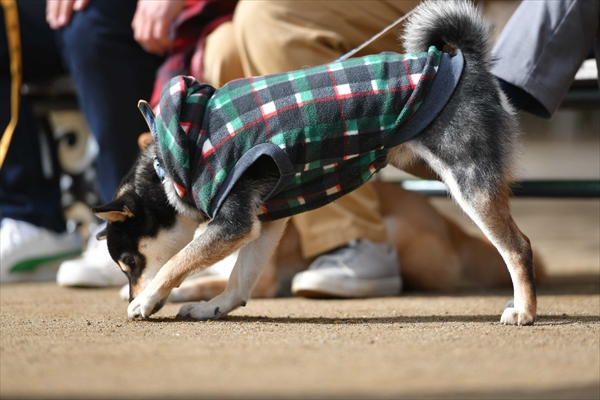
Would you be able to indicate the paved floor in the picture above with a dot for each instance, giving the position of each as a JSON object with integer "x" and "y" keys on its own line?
{"x": 69, "y": 343}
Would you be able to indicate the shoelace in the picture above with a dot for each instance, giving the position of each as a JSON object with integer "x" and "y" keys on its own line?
{"x": 342, "y": 252}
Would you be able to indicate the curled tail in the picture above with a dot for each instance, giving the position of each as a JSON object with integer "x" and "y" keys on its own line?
{"x": 456, "y": 23}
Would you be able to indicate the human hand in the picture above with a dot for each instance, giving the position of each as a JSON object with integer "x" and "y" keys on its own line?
{"x": 151, "y": 23}
{"x": 59, "y": 12}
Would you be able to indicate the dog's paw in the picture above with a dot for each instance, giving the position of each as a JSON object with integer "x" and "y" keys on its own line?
{"x": 513, "y": 316}
{"x": 200, "y": 310}
{"x": 145, "y": 305}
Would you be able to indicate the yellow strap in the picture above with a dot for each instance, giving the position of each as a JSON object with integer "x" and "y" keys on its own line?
{"x": 11, "y": 20}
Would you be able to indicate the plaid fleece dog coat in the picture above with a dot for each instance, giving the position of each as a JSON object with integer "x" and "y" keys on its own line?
{"x": 327, "y": 128}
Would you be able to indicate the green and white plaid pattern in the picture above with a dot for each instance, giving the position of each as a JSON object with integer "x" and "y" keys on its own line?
{"x": 327, "y": 128}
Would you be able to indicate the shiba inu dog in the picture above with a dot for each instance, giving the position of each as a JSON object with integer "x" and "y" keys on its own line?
{"x": 244, "y": 158}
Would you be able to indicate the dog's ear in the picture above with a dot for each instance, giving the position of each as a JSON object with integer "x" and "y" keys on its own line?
{"x": 115, "y": 211}
{"x": 148, "y": 114}
{"x": 101, "y": 235}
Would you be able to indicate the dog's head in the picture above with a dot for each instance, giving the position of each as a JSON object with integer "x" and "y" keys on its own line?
{"x": 144, "y": 231}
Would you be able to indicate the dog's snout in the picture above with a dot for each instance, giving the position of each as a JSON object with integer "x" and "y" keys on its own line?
{"x": 131, "y": 296}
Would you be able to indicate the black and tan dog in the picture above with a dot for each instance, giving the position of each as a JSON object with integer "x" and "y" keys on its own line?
{"x": 469, "y": 144}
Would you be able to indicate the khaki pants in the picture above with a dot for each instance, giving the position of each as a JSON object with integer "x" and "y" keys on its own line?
{"x": 267, "y": 37}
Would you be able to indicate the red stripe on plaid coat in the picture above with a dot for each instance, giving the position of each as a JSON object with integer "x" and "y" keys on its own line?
{"x": 328, "y": 129}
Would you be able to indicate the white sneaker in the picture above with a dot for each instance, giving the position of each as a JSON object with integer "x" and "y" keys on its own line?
{"x": 360, "y": 269}
{"x": 30, "y": 253}
{"x": 94, "y": 268}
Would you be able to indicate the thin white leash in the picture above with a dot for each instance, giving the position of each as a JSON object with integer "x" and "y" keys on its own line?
{"x": 374, "y": 38}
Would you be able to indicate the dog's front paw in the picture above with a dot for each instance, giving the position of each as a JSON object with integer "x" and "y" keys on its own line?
{"x": 200, "y": 310}
{"x": 514, "y": 316}
{"x": 145, "y": 305}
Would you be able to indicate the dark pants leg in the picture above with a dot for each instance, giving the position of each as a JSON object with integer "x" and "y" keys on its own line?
{"x": 111, "y": 72}
{"x": 542, "y": 46}
{"x": 27, "y": 191}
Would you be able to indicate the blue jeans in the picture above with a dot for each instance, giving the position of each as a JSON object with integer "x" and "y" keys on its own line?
{"x": 111, "y": 73}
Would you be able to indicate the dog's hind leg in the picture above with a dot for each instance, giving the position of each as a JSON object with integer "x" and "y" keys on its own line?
{"x": 246, "y": 272}
{"x": 486, "y": 202}
{"x": 491, "y": 212}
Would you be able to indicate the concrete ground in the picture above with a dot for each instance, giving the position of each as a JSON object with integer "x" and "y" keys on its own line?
{"x": 77, "y": 343}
